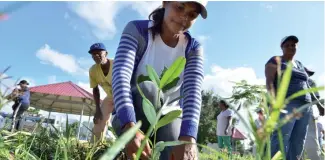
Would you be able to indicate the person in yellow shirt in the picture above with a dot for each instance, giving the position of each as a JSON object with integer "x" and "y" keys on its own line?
{"x": 100, "y": 74}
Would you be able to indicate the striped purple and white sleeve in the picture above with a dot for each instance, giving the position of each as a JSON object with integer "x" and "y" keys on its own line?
{"x": 192, "y": 87}
{"x": 122, "y": 73}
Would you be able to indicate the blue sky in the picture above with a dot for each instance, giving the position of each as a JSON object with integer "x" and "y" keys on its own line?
{"x": 47, "y": 42}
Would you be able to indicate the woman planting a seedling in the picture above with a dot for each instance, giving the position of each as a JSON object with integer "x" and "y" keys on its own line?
{"x": 149, "y": 48}
{"x": 294, "y": 132}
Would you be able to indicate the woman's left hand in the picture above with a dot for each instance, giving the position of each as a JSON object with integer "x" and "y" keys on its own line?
{"x": 226, "y": 132}
{"x": 185, "y": 151}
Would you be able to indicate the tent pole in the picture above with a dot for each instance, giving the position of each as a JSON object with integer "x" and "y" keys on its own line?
{"x": 48, "y": 119}
{"x": 88, "y": 125}
{"x": 80, "y": 120}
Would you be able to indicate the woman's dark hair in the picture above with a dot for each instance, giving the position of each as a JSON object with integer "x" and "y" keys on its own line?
{"x": 224, "y": 103}
{"x": 157, "y": 16}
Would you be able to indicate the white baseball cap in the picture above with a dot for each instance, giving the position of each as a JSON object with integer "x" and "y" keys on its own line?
{"x": 291, "y": 37}
{"x": 203, "y": 4}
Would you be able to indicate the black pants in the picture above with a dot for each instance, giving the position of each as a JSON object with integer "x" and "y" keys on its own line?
{"x": 23, "y": 107}
{"x": 169, "y": 132}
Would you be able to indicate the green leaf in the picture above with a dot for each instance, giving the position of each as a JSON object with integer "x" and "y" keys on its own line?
{"x": 143, "y": 78}
{"x": 160, "y": 146}
{"x": 170, "y": 85}
{"x": 173, "y": 72}
{"x": 303, "y": 92}
{"x": 153, "y": 75}
{"x": 169, "y": 117}
{"x": 282, "y": 90}
{"x": 149, "y": 111}
{"x": 121, "y": 142}
{"x": 139, "y": 89}
{"x": 163, "y": 72}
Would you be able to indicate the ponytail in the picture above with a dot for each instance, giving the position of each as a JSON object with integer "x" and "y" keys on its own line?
{"x": 158, "y": 17}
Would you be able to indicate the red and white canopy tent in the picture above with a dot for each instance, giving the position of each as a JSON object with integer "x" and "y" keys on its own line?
{"x": 237, "y": 135}
{"x": 65, "y": 97}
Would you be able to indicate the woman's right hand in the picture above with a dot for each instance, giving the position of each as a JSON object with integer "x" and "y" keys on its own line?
{"x": 132, "y": 147}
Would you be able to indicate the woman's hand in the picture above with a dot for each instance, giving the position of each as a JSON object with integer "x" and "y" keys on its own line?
{"x": 226, "y": 131}
{"x": 185, "y": 151}
{"x": 132, "y": 147}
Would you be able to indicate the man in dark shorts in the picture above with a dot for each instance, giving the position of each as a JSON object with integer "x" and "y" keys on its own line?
{"x": 22, "y": 102}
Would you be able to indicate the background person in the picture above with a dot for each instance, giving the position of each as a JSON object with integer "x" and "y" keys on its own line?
{"x": 21, "y": 103}
{"x": 293, "y": 145}
{"x": 224, "y": 130}
{"x": 100, "y": 74}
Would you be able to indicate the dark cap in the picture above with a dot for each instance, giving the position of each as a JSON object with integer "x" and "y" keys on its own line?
{"x": 97, "y": 46}
{"x": 259, "y": 110}
{"x": 309, "y": 72}
{"x": 23, "y": 82}
{"x": 287, "y": 38}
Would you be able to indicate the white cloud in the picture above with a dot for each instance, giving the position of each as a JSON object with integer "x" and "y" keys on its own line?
{"x": 202, "y": 38}
{"x": 144, "y": 8}
{"x": 268, "y": 7}
{"x": 52, "y": 79}
{"x": 86, "y": 86}
{"x": 220, "y": 79}
{"x": 65, "y": 62}
{"x": 86, "y": 62}
{"x": 101, "y": 15}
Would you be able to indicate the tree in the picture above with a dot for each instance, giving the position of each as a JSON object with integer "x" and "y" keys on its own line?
{"x": 247, "y": 93}
{"x": 33, "y": 111}
{"x": 208, "y": 118}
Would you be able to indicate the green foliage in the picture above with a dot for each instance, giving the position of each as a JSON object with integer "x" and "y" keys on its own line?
{"x": 173, "y": 72}
{"x": 153, "y": 113}
{"x": 168, "y": 118}
{"x": 208, "y": 118}
{"x": 33, "y": 111}
{"x": 250, "y": 94}
{"x": 46, "y": 144}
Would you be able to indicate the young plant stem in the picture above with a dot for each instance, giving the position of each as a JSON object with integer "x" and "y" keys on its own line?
{"x": 152, "y": 127}
{"x": 154, "y": 140}
{"x": 281, "y": 144}
{"x": 158, "y": 104}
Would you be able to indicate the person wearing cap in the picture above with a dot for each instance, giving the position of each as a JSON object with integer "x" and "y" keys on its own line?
{"x": 293, "y": 143}
{"x": 314, "y": 138}
{"x": 158, "y": 42}
{"x": 260, "y": 117}
{"x": 224, "y": 130}
{"x": 259, "y": 122}
{"x": 100, "y": 74}
{"x": 22, "y": 99}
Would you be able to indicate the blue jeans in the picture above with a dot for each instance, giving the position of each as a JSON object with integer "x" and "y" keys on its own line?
{"x": 293, "y": 133}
